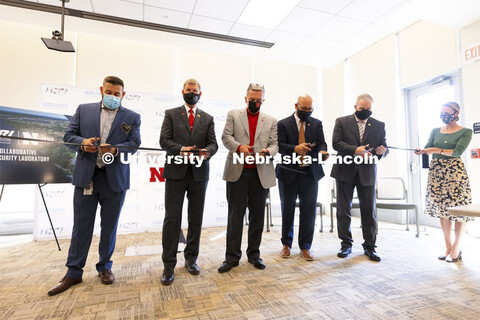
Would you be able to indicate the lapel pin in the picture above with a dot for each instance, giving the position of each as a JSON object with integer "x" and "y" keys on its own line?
{"x": 198, "y": 115}
{"x": 309, "y": 124}
{"x": 369, "y": 124}
{"x": 183, "y": 114}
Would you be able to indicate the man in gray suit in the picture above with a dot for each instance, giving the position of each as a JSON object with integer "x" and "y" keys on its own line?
{"x": 186, "y": 131}
{"x": 358, "y": 135}
{"x": 248, "y": 132}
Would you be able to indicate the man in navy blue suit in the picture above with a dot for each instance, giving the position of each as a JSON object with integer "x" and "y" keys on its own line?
{"x": 300, "y": 135}
{"x": 102, "y": 131}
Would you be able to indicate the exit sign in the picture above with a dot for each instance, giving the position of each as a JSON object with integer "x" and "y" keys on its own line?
{"x": 471, "y": 54}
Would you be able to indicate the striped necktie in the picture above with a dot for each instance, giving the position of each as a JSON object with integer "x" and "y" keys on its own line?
{"x": 361, "y": 129}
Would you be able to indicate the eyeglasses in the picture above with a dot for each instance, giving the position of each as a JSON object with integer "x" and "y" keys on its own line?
{"x": 305, "y": 108}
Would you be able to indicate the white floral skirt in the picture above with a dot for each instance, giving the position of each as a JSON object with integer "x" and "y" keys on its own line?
{"x": 448, "y": 186}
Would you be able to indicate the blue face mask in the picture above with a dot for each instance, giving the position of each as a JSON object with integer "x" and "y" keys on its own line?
{"x": 111, "y": 102}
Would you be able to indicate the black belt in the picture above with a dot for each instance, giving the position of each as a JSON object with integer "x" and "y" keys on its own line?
{"x": 97, "y": 168}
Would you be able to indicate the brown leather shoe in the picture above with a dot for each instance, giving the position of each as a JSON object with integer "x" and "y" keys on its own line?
{"x": 285, "y": 253}
{"x": 63, "y": 285}
{"x": 307, "y": 255}
{"x": 107, "y": 276}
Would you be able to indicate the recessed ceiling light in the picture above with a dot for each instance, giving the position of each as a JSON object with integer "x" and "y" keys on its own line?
{"x": 267, "y": 13}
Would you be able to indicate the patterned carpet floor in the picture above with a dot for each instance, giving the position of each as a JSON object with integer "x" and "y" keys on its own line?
{"x": 409, "y": 283}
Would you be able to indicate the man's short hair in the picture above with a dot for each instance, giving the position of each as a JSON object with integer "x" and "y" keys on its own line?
{"x": 194, "y": 82}
{"x": 364, "y": 96}
{"x": 116, "y": 81}
{"x": 256, "y": 87}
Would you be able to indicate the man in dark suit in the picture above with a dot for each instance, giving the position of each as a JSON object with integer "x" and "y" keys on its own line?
{"x": 104, "y": 130}
{"x": 302, "y": 135}
{"x": 362, "y": 136}
{"x": 185, "y": 129}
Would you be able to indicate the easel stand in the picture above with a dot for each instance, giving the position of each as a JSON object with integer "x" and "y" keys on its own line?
{"x": 48, "y": 214}
{"x": 46, "y": 209}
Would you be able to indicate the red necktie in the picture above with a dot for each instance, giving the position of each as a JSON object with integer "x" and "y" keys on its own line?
{"x": 191, "y": 118}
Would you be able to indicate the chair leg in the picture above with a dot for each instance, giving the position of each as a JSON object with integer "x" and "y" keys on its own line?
{"x": 270, "y": 210}
{"x": 321, "y": 217}
{"x": 331, "y": 219}
{"x": 268, "y": 217}
{"x": 417, "y": 223}
{"x": 408, "y": 229}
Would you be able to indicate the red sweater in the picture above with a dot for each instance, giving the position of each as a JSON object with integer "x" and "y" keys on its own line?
{"x": 252, "y": 126}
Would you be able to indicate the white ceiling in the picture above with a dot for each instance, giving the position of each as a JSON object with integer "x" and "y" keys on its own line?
{"x": 315, "y": 32}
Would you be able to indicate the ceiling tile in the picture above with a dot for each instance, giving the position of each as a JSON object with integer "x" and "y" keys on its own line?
{"x": 316, "y": 45}
{"x": 167, "y": 17}
{"x": 210, "y": 25}
{"x": 325, "y": 5}
{"x": 304, "y": 21}
{"x": 117, "y": 8}
{"x": 250, "y": 32}
{"x": 285, "y": 41}
{"x": 340, "y": 28}
{"x": 179, "y": 5}
{"x": 220, "y": 9}
{"x": 369, "y": 10}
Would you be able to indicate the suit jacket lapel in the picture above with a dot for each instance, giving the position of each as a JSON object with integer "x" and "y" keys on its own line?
{"x": 294, "y": 127}
{"x": 368, "y": 128}
{"x": 354, "y": 125}
{"x": 308, "y": 131}
{"x": 116, "y": 122}
{"x": 198, "y": 118}
{"x": 244, "y": 121}
{"x": 184, "y": 116}
{"x": 260, "y": 123}
{"x": 97, "y": 120}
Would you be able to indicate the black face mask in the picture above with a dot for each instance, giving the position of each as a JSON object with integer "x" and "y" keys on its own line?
{"x": 303, "y": 115}
{"x": 363, "y": 114}
{"x": 448, "y": 118}
{"x": 252, "y": 106}
{"x": 191, "y": 98}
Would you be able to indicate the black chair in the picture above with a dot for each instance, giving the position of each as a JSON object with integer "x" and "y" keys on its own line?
{"x": 333, "y": 203}
{"x": 393, "y": 190}
{"x": 268, "y": 207}
{"x": 320, "y": 207}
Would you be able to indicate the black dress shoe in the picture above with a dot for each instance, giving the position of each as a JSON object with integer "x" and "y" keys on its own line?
{"x": 167, "y": 277}
{"x": 370, "y": 253}
{"x": 258, "y": 263}
{"x": 227, "y": 266}
{"x": 192, "y": 267}
{"x": 344, "y": 252}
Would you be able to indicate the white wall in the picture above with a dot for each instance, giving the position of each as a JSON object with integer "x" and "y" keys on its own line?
{"x": 147, "y": 62}
{"x": 471, "y": 98}
{"x": 425, "y": 50}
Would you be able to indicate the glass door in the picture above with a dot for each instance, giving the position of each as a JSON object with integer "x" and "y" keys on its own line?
{"x": 423, "y": 114}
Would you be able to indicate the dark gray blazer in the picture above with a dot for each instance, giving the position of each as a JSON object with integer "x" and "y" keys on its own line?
{"x": 346, "y": 139}
{"x": 176, "y": 134}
